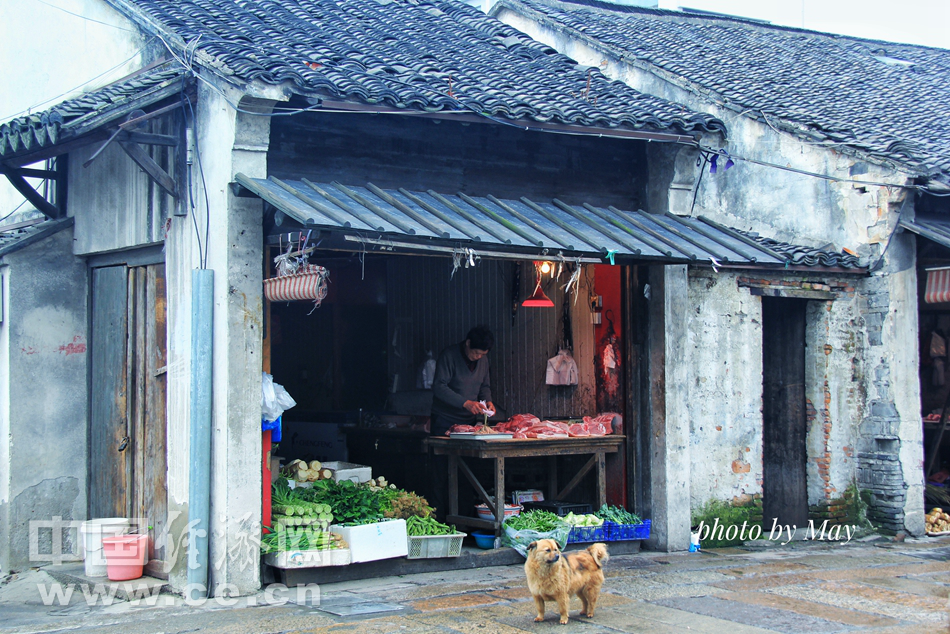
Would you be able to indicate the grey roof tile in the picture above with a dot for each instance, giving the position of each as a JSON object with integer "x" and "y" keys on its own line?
{"x": 67, "y": 119}
{"x": 835, "y": 88}
{"x": 404, "y": 54}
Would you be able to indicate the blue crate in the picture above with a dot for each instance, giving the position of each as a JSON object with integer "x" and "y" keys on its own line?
{"x": 582, "y": 534}
{"x": 626, "y": 532}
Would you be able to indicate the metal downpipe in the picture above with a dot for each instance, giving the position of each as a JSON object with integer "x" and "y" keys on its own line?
{"x": 199, "y": 480}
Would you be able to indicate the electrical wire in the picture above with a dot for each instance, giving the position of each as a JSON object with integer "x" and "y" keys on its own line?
{"x": 87, "y": 19}
{"x": 30, "y": 109}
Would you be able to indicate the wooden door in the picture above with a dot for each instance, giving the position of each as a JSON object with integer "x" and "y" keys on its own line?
{"x": 110, "y": 466}
{"x": 784, "y": 492}
{"x": 127, "y": 427}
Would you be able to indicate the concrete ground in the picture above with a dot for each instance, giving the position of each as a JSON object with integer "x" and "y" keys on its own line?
{"x": 875, "y": 585}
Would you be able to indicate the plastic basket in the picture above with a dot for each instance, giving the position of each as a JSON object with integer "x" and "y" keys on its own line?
{"x": 433, "y": 546}
{"x": 559, "y": 508}
{"x": 581, "y": 534}
{"x": 625, "y": 532}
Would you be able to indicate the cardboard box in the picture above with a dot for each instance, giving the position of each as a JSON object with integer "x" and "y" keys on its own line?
{"x": 308, "y": 558}
{"x": 381, "y": 540}
{"x": 528, "y": 495}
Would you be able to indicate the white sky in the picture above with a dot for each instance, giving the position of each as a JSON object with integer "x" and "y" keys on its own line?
{"x": 924, "y": 22}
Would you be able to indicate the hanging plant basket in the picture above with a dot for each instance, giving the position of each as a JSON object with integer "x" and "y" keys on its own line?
{"x": 308, "y": 282}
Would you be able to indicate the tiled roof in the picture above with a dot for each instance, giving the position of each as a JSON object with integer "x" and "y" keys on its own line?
{"x": 26, "y": 234}
{"x": 890, "y": 101}
{"x": 428, "y": 55}
{"x": 805, "y": 256}
{"x": 78, "y": 115}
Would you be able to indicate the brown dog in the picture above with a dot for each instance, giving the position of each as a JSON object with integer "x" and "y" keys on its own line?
{"x": 555, "y": 577}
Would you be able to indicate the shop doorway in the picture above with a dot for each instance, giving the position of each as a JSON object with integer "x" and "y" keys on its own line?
{"x": 127, "y": 430}
{"x": 784, "y": 492}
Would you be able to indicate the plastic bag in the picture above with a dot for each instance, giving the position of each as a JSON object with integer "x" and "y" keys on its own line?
{"x": 938, "y": 346}
{"x": 519, "y": 540}
{"x": 274, "y": 399}
{"x": 426, "y": 372}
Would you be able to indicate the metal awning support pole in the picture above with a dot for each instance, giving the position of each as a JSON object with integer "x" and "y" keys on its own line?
{"x": 199, "y": 480}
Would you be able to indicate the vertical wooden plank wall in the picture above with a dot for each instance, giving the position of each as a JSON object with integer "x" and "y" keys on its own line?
{"x": 432, "y": 309}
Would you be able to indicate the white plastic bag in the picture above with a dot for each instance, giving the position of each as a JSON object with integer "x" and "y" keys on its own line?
{"x": 274, "y": 399}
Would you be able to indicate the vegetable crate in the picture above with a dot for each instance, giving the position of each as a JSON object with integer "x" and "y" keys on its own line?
{"x": 559, "y": 508}
{"x": 625, "y": 532}
{"x": 582, "y": 534}
{"x": 434, "y": 546}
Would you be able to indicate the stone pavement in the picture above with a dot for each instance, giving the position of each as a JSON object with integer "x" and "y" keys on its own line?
{"x": 867, "y": 586}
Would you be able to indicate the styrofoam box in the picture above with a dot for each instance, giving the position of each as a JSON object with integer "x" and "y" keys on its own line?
{"x": 308, "y": 558}
{"x": 369, "y": 542}
{"x": 349, "y": 471}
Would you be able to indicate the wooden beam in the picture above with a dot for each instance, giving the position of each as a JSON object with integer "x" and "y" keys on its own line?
{"x": 148, "y": 138}
{"x": 792, "y": 293}
{"x": 153, "y": 169}
{"x": 35, "y": 173}
{"x": 21, "y": 225}
{"x": 26, "y": 190}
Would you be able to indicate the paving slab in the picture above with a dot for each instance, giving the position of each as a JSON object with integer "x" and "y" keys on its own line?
{"x": 810, "y": 608}
{"x": 778, "y": 620}
{"x": 683, "y": 620}
{"x": 862, "y": 603}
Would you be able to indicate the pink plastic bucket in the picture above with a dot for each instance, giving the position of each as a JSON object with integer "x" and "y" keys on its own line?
{"x": 125, "y": 556}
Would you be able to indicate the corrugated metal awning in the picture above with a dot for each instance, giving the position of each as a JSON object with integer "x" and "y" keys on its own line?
{"x": 935, "y": 229}
{"x": 424, "y": 220}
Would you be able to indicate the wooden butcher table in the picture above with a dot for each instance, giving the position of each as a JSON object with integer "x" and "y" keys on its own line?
{"x": 457, "y": 449}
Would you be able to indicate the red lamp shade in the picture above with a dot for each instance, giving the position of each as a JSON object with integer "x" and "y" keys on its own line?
{"x": 538, "y": 299}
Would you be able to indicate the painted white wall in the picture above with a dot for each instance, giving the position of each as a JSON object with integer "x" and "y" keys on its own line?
{"x": 724, "y": 389}
{"x": 57, "y": 49}
{"x": 227, "y": 142}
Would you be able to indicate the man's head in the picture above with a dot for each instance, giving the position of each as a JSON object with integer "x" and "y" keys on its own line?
{"x": 478, "y": 342}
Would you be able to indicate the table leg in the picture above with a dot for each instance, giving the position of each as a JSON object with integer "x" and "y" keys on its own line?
{"x": 552, "y": 478}
{"x": 499, "y": 494}
{"x": 601, "y": 479}
{"x": 453, "y": 485}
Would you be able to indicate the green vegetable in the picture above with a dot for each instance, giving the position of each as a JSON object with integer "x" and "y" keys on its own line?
{"x": 583, "y": 520}
{"x": 535, "y": 520}
{"x": 426, "y": 526}
{"x": 618, "y": 515}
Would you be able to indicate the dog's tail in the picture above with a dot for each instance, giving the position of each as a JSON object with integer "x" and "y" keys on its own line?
{"x": 599, "y": 552}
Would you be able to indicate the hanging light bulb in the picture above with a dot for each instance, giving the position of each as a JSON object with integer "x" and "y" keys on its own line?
{"x": 545, "y": 267}
{"x": 538, "y": 299}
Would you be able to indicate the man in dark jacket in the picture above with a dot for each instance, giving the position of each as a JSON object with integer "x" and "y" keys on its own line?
{"x": 462, "y": 383}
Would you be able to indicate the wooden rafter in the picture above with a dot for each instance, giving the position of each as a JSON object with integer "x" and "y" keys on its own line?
{"x": 15, "y": 176}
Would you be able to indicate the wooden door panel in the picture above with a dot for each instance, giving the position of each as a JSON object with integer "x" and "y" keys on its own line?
{"x": 153, "y": 480}
{"x": 109, "y": 455}
{"x": 784, "y": 425}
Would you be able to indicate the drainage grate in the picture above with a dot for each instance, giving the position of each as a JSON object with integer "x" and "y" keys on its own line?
{"x": 360, "y": 608}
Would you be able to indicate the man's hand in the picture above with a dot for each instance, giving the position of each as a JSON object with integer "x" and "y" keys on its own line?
{"x": 491, "y": 408}
{"x": 473, "y": 406}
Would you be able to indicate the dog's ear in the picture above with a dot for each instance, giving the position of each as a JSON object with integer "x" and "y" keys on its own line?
{"x": 532, "y": 546}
